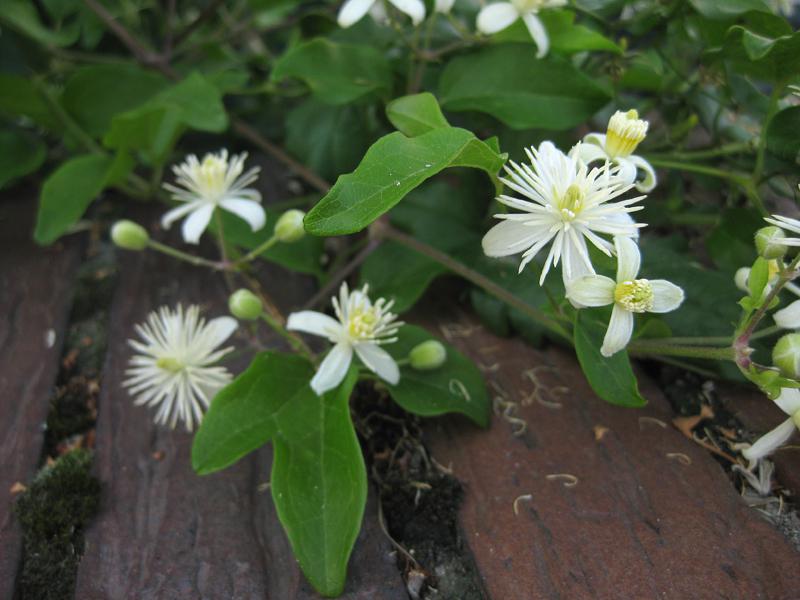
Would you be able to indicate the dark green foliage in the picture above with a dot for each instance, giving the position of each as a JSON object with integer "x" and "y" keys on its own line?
{"x": 53, "y": 512}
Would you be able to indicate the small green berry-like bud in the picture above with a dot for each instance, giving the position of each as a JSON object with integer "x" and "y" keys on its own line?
{"x": 289, "y": 226}
{"x": 129, "y": 235}
{"x": 769, "y": 242}
{"x": 245, "y": 305}
{"x": 427, "y": 355}
{"x": 786, "y": 355}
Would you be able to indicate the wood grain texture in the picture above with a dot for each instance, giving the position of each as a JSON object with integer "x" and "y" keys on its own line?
{"x": 166, "y": 533}
{"x": 652, "y": 514}
{"x": 35, "y": 296}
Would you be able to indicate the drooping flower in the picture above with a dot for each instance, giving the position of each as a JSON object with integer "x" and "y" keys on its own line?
{"x": 568, "y": 204}
{"x": 216, "y": 182}
{"x": 175, "y": 366}
{"x": 625, "y": 131}
{"x": 628, "y": 294}
{"x": 788, "y": 402}
{"x": 352, "y": 11}
{"x": 496, "y": 17}
{"x": 361, "y": 327}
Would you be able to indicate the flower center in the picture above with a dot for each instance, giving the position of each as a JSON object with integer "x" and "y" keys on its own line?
{"x": 167, "y": 363}
{"x": 211, "y": 176}
{"x": 362, "y": 322}
{"x": 634, "y": 296}
{"x": 625, "y": 131}
{"x": 571, "y": 202}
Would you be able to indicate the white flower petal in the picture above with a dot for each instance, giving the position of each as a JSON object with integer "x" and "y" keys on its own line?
{"x": 589, "y": 152}
{"x": 179, "y": 212}
{"x": 618, "y": 334}
{"x": 789, "y": 400}
{"x": 413, "y": 8}
{"x": 352, "y": 11}
{"x": 628, "y": 258}
{"x": 592, "y": 290}
{"x": 626, "y": 220}
{"x": 221, "y": 328}
{"x": 647, "y": 184}
{"x": 333, "y": 369}
{"x": 313, "y": 322}
{"x": 509, "y": 237}
{"x": 769, "y": 442}
{"x": 792, "y": 225}
{"x": 789, "y": 317}
{"x": 444, "y": 6}
{"x": 627, "y": 170}
{"x": 538, "y": 33}
{"x": 196, "y": 223}
{"x": 741, "y": 277}
{"x": 666, "y": 296}
{"x": 378, "y": 361}
{"x": 496, "y": 17}
{"x": 250, "y": 211}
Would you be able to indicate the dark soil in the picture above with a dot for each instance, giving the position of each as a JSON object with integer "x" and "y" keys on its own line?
{"x": 419, "y": 500}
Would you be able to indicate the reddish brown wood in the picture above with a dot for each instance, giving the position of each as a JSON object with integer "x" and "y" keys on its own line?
{"x": 758, "y": 414}
{"x": 639, "y": 523}
{"x": 35, "y": 296}
{"x": 164, "y": 532}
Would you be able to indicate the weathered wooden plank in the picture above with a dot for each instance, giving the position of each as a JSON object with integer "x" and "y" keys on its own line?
{"x": 651, "y": 514}
{"x": 164, "y": 532}
{"x": 35, "y": 296}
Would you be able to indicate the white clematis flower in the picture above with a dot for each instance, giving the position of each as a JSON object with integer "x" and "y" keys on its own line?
{"x": 443, "y": 6}
{"x": 361, "y": 327}
{"x": 625, "y": 131}
{"x": 628, "y": 295}
{"x": 567, "y": 205}
{"x": 174, "y": 368}
{"x": 789, "y": 317}
{"x": 787, "y": 224}
{"x": 788, "y": 402}
{"x": 496, "y": 17}
{"x": 353, "y": 11}
{"x": 216, "y": 182}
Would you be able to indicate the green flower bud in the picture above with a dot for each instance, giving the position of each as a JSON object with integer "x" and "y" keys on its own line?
{"x": 289, "y": 227}
{"x": 769, "y": 242}
{"x": 245, "y": 305}
{"x": 427, "y": 355}
{"x": 786, "y": 355}
{"x": 129, "y": 235}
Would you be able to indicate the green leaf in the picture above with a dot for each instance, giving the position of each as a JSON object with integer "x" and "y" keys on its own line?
{"x": 155, "y": 126}
{"x": 392, "y": 167}
{"x": 765, "y": 48}
{"x": 758, "y": 278}
{"x": 520, "y": 90}
{"x": 730, "y": 244}
{"x": 457, "y": 386}
{"x": 329, "y": 139}
{"x": 783, "y": 133}
{"x": 565, "y": 36}
{"x": 611, "y": 378}
{"x": 21, "y": 16}
{"x": 303, "y": 256}
{"x": 21, "y": 153}
{"x": 336, "y": 73}
{"x": 93, "y": 95}
{"x": 68, "y": 192}
{"x": 19, "y": 97}
{"x": 243, "y": 416}
{"x": 319, "y": 483}
{"x": 416, "y": 114}
{"x": 727, "y": 9}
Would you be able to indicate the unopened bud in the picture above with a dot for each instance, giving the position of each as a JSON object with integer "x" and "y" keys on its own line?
{"x": 427, "y": 356}
{"x": 129, "y": 235}
{"x": 786, "y": 355}
{"x": 245, "y": 305}
{"x": 289, "y": 227}
{"x": 741, "y": 277}
{"x": 769, "y": 242}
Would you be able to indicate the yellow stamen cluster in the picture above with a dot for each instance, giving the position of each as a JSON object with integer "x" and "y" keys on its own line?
{"x": 625, "y": 131}
{"x": 211, "y": 174}
{"x": 571, "y": 202}
{"x": 170, "y": 364}
{"x": 634, "y": 296}
{"x": 361, "y": 323}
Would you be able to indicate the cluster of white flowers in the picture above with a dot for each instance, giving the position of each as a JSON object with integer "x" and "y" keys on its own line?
{"x": 568, "y": 206}
{"x": 491, "y": 19}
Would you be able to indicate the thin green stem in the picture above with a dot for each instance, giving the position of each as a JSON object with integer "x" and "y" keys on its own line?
{"x": 257, "y": 251}
{"x": 658, "y": 348}
{"x": 389, "y": 232}
{"x": 693, "y": 168}
{"x": 294, "y": 342}
{"x": 774, "y": 97}
{"x": 198, "y": 261}
{"x": 724, "y": 150}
